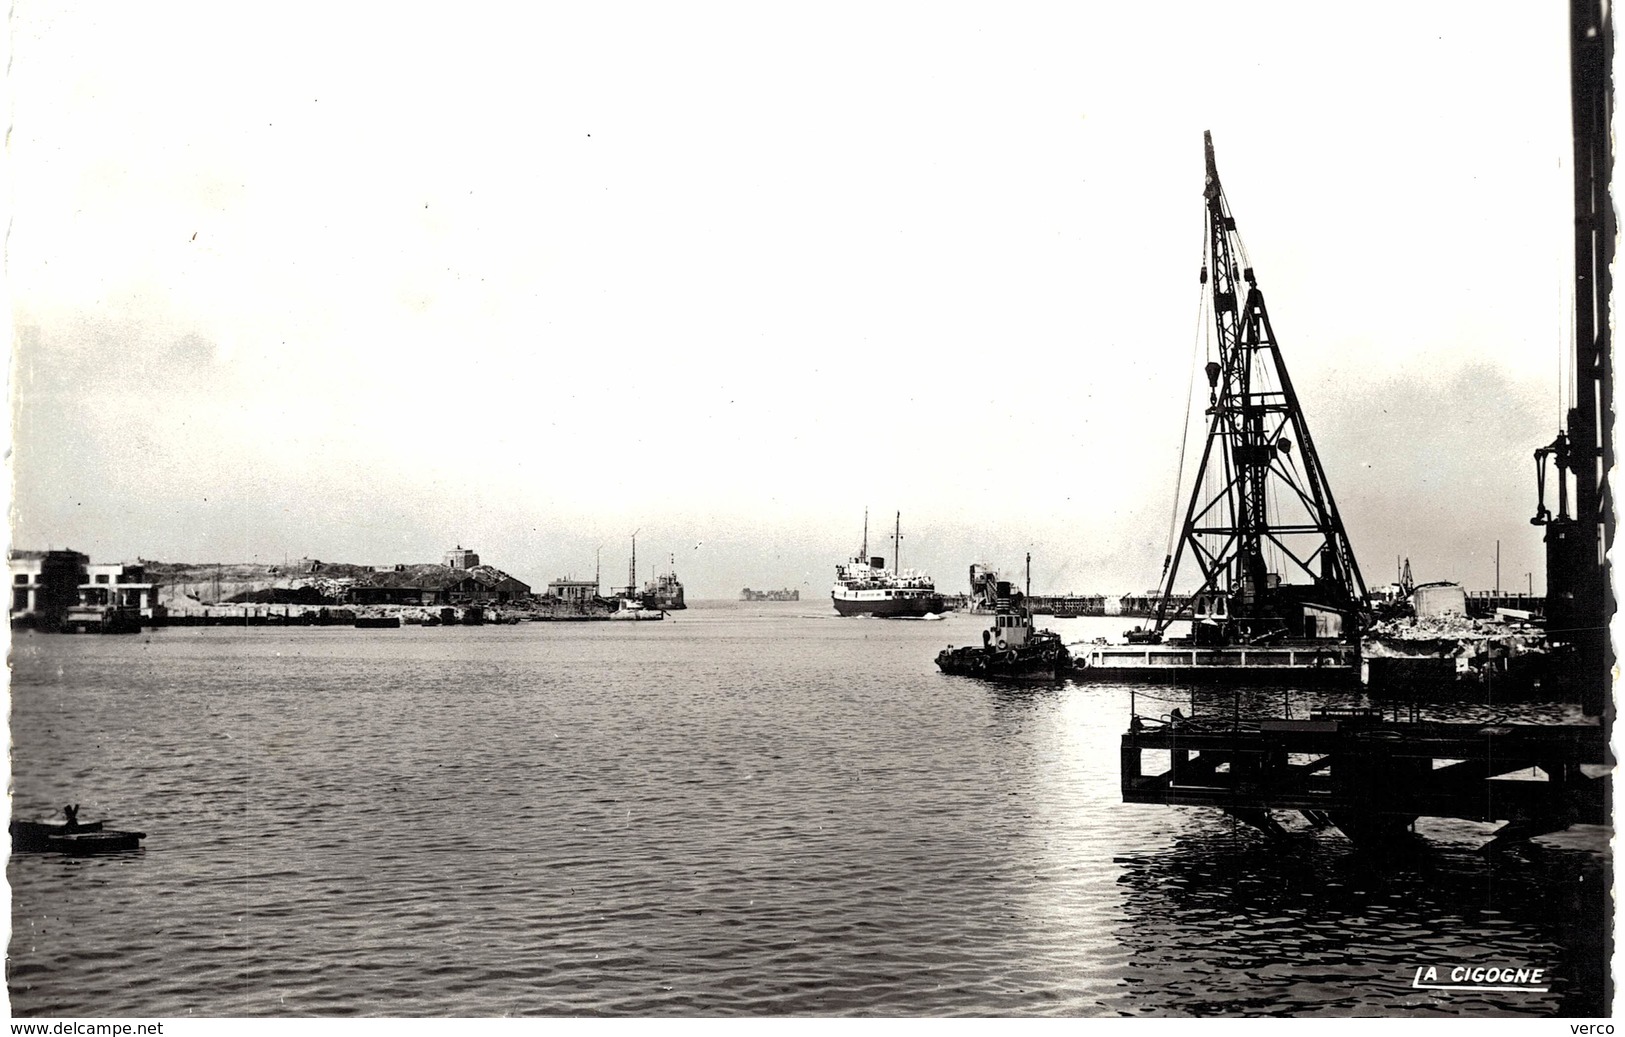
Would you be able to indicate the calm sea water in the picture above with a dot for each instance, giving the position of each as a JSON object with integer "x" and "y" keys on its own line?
{"x": 746, "y": 809}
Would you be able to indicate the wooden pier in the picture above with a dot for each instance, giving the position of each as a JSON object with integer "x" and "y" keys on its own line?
{"x": 1372, "y": 777}
{"x": 1485, "y": 604}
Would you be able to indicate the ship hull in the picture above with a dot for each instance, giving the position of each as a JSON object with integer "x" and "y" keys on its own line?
{"x": 1047, "y": 663}
{"x": 890, "y": 608}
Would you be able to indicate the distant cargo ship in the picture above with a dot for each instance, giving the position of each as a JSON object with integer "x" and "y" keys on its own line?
{"x": 784, "y": 595}
{"x": 865, "y": 587}
{"x": 664, "y": 592}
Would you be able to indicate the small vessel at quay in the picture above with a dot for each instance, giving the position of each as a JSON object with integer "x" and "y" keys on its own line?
{"x": 864, "y": 586}
{"x": 634, "y": 610}
{"x": 1011, "y": 649}
{"x": 665, "y": 592}
{"x": 662, "y": 594}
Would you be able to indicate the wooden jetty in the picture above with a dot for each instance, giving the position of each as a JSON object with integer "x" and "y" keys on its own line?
{"x": 1370, "y": 776}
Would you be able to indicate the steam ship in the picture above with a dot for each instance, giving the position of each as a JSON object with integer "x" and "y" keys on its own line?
{"x": 864, "y": 586}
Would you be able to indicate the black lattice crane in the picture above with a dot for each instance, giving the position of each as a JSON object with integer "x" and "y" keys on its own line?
{"x": 1579, "y": 591}
{"x": 1261, "y": 525}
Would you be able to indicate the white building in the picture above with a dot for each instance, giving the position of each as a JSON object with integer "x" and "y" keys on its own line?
{"x": 119, "y": 585}
{"x": 572, "y": 590}
{"x": 44, "y": 585}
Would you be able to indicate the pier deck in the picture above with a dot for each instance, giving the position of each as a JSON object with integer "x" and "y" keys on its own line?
{"x": 1308, "y": 663}
{"x": 1373, "y": 777}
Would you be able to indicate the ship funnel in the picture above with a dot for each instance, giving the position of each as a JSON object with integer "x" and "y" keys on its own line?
{"x": 877, "y": 562}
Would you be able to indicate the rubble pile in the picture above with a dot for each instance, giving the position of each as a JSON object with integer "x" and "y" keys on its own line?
{"x": 333, "y": 588}
{"x": 1450, "y": 635}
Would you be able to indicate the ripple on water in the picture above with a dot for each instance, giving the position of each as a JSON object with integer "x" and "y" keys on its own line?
{"x": 734, "y": 813}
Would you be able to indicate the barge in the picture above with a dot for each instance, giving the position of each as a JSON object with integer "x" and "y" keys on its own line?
{"x": 1298, "y": 663}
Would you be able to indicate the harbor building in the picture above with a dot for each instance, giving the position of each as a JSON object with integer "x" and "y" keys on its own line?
{"x": 572, "y": 590}
{"x": 497, "y": 585}
{"x": 44, "y": 585}
{"x": 461, "y": 557}
{"x": 416, "y": 585}
{"x": 120, "y": 585}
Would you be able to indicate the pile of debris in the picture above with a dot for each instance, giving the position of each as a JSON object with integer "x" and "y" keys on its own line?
{"x": 1451, "y": 634}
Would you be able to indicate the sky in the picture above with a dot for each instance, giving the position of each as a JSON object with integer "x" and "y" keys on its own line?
{"x": 314, "y": 281}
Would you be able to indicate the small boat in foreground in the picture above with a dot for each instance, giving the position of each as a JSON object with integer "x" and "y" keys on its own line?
{"x": 71, "y": 836}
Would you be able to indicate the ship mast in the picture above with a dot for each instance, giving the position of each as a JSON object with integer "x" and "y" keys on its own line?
{"x": 897, "y": 546}
{"x": 1261, "y": 510}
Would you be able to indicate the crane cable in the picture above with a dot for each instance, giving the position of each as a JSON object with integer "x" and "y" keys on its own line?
{"x": 1203, "y": 341}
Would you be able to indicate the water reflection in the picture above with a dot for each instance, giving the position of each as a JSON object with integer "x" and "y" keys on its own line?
{"x": 1226, "y": 922}
{"x": 726, "y": 814}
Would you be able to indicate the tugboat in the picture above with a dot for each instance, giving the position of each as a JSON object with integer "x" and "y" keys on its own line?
{"x": 864, "y": 586}
{"x": 1011, "y": 648}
